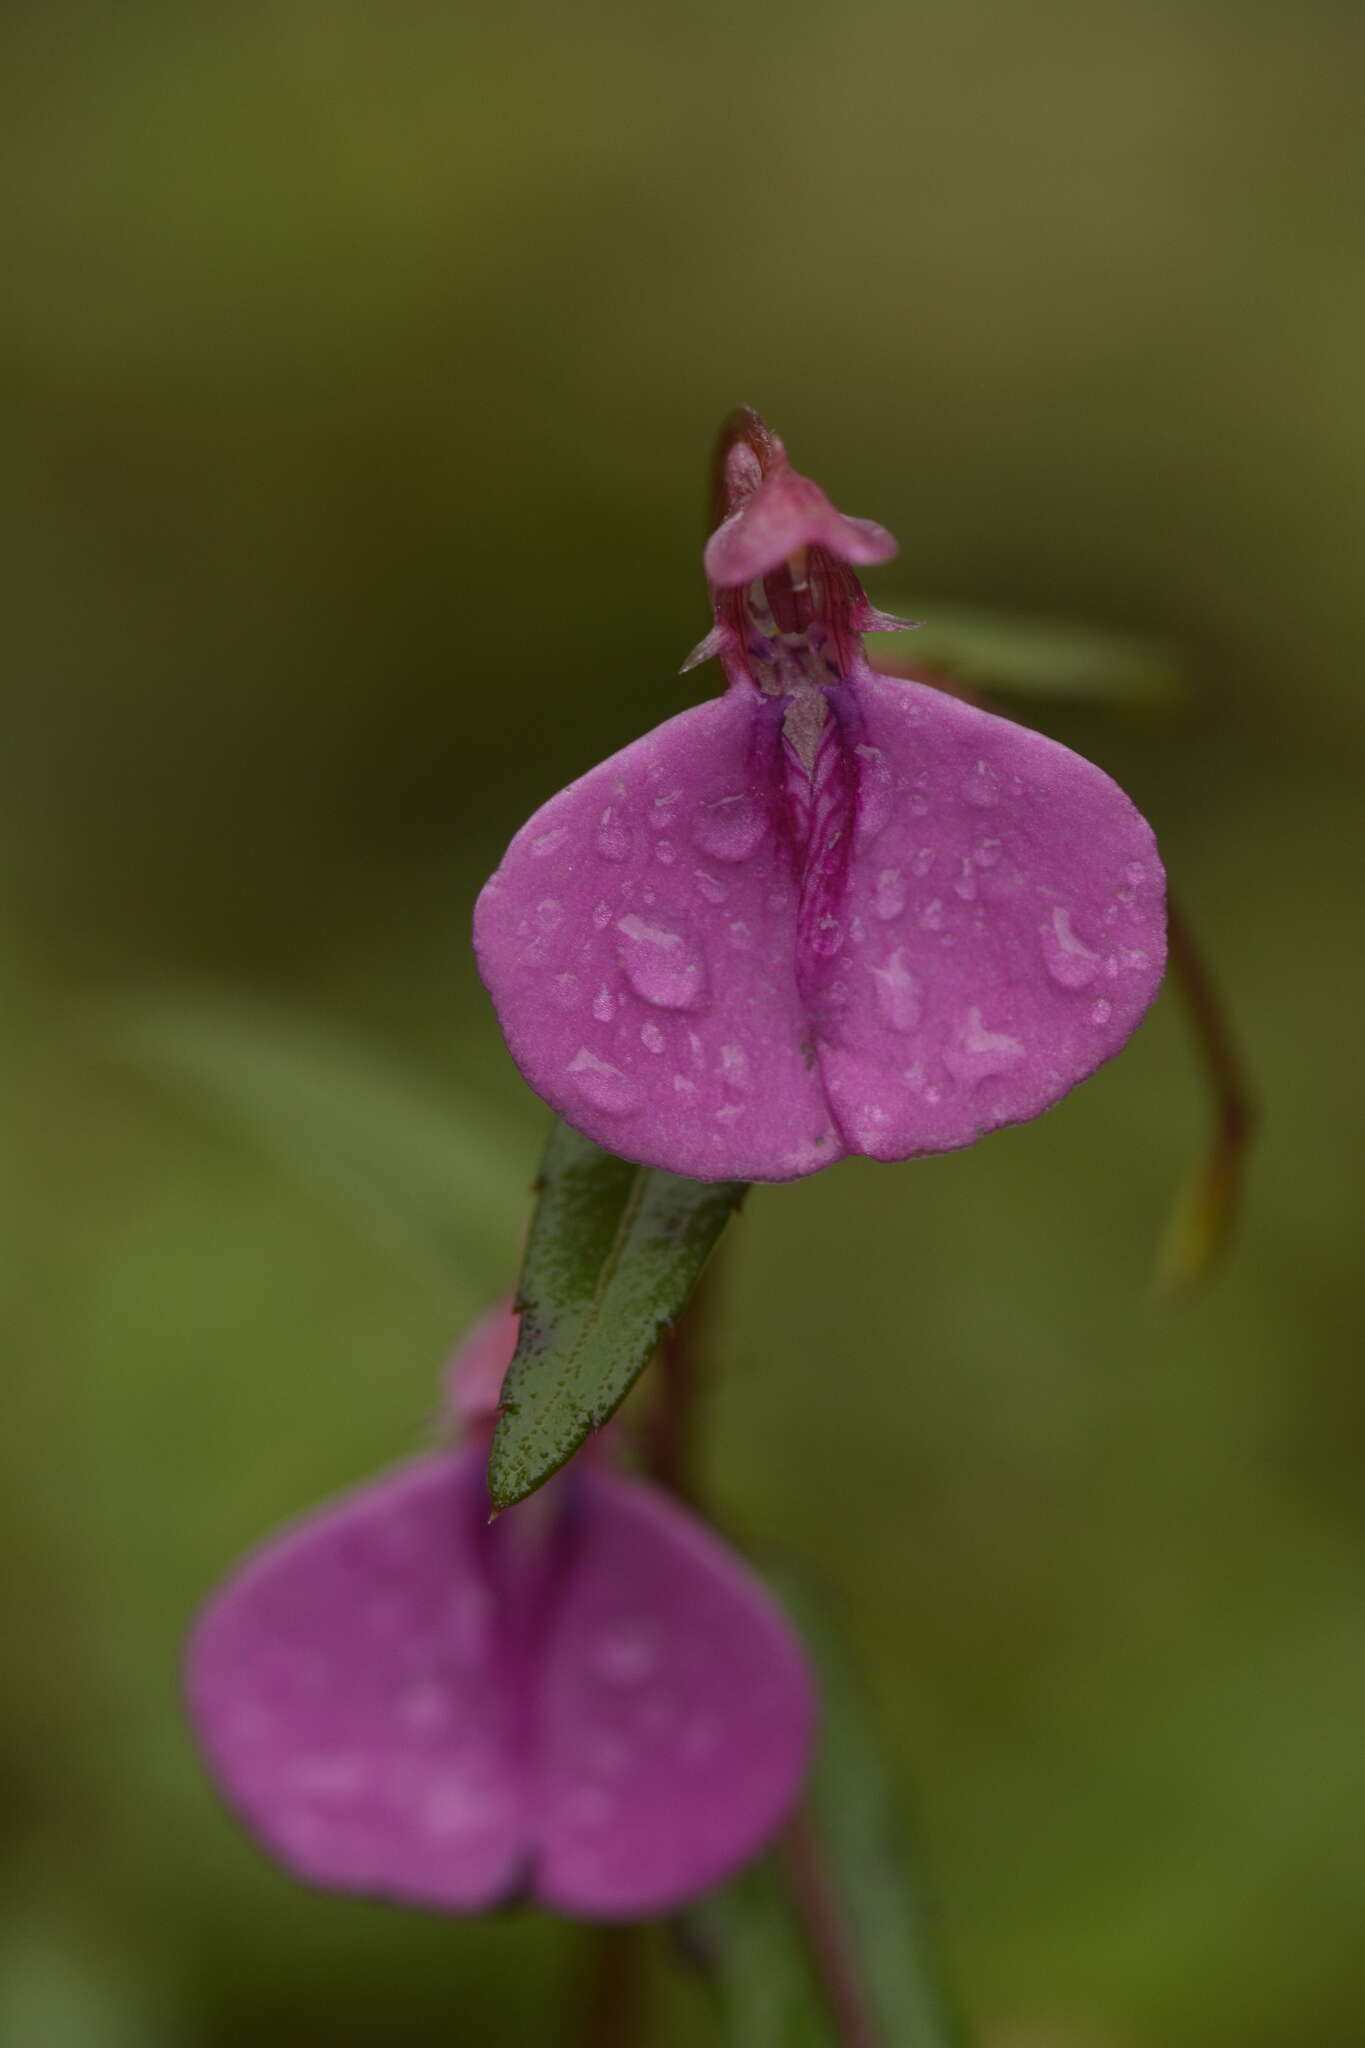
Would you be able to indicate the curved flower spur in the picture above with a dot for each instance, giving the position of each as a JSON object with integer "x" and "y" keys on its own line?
{"x": 829, "y": 911}
{"x": 593, "y": 1702}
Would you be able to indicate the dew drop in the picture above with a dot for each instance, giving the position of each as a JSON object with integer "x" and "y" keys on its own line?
{"x": 548, "y": 842}
{"x": 708, "y": 888}
{"x": 730, "y": 829}
{"x": 662, "y": 812}
{"x": 923, "y": 861}
{"x": 683, "y": 1086}
{"x": 601, "y": 916}
{"x": 1102, "y": 1012}
{"x": 988, "y": 853}
{"x": 548, "y": 913}
{"x": 899, "y": 994}
{"x": 659, "y": 966}
{"x": 602, "y": 1084}
{"x": 625, "y": 1656}
{"x": 965, "y": 884}
{"x": 931, "y": 917}
{"x": 874, "y": 791}
{"x": 613, "y": 835}
{"x": 734, "y": 1066}
{"x": 666, "y": 852}
{"x": 741, "y": 938}
{"x": 566, "y": 990}
{"x": 827, "y": 938}
{"x": 651, "y": 1036}
{"x": 604, "y": 1005}
{"x": 1136, "y": 872}
{"x": 1069, "y": 960}
{"x": 982, "y": 786}
{"x": 889, "y": 897}
{"x": 977, "y": 1052}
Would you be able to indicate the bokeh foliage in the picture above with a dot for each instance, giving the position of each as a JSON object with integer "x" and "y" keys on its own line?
{"x": 364, "y": 365}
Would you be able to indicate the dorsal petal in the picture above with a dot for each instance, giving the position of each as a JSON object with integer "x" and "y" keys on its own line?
{"x": 783, "y": 514}
{"x": 676, "y": 1716}
{"x": 358, "y": 1700}
{"x": 638, "y": 942}
{"x": 1006, "y": 923}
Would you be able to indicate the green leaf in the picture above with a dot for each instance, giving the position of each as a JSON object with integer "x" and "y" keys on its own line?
{"x": 839, "y": 1887}
{"x": 748, "y": 1945}
{"x": 424, "y": 1171}
{"x": 1016, "y": 654}
{"x": 613, "y": 1254}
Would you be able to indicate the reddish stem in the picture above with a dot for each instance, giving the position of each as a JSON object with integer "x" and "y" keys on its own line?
{"x": 822, "y": 1922}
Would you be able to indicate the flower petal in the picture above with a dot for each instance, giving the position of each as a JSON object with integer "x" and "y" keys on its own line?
{"x": 639, "y": 943}
{"x": 474, "y": 1375}
{"x": 677, "y": 1712}
{"x": 1005, "y": 912}
{"x": 358, "y": 1696}
{"x": 784, "y": 513}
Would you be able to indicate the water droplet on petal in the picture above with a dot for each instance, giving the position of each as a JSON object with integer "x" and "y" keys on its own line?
{"x": 548, "y": 842}
{"x": 923, "y": 861}
{"x": 981, "y": 786}
{"x": 889, "y": 898}
{"x": 604, "y": 1005}
{"x": 1070, "y": 961}
{"x": 651, "y": 1036}
{"x": 965, "y": 884}
{"x": 625, "y": 1656}
{"x": 1102, "y": 1012}
{"x": 601, "y": 916}
{"x": 708, "y": 887}
{"x": 730, "y": 829}
{"x": 549, "y": 913}
{"x": 613, "y": 835}
{"x": 899, "y": 993}
{"x": 734, "y": 1066}
{"x": 931, "y": 917}
{"x": 663, "y": 810}
{"x": 988, "y": 853}
{"x": 666, "y": 851}
{"x": 659, "y": 966}
{"x": 566, "y": 990}
{"x": 978, "y": 1052}
{"x": 602, "y": 1084}
{"x": 874, "y": 791}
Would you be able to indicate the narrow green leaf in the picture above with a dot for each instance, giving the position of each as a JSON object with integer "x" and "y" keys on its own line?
{"x": 852, "y": 1819}
{"x": 1015, "y": 654}
{"x": 613, "y": 1254}
{"x": 836, "y": 1906}
{"x": 424, "y": 1170}
{"x": 747, "y": 1944}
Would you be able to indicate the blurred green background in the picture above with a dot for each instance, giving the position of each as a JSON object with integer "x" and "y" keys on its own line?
{"x": 364, "y": 365}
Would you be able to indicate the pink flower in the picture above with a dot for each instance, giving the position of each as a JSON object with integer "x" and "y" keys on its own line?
{"x": 828, "y": 911}
{"x": 591, "y": 1702}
